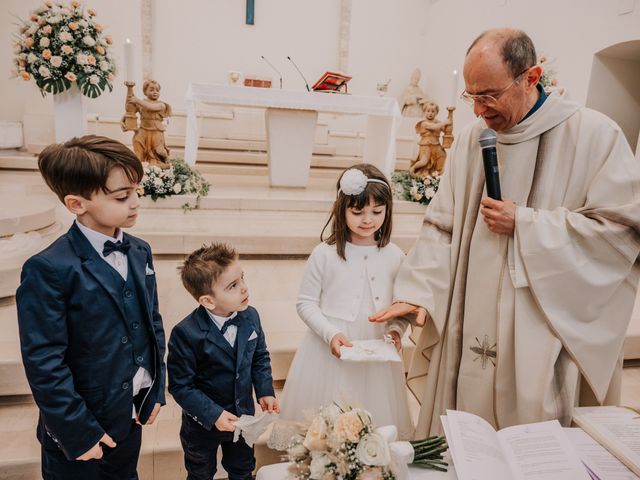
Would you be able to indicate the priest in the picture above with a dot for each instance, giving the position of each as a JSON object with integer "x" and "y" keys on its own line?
{"x": 524, "y": 301}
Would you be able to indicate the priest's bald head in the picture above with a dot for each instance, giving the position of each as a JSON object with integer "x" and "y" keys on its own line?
{"x": 500, "y": 76}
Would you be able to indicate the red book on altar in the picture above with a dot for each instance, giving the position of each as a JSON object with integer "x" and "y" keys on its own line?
{"x": 331, "y": 82}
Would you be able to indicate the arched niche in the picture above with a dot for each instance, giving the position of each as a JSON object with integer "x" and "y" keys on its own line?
{"x": 614, "y": 88}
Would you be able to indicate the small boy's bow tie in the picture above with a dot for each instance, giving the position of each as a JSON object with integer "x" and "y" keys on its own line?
{"x": 234, "y": 321}
{"x": 110, "y": 247}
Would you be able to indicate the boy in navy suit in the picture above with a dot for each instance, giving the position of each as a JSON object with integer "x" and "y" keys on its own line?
{"x": 216, "y": 355}
{"x": 90, "y": 332}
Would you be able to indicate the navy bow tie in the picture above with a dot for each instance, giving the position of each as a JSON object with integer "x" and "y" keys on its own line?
{"x": 110, "y": 247}
{"x": 234, "y": 321}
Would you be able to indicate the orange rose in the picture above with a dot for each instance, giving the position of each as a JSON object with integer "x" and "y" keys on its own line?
{"x": 25, "y": 75}
{"x": 108, "y": 39}
{"x": 46, "y": 54}
{"x": 100, "y": 50}
{"x": 75, "y": 4}
{"x": 91, "y": 12}
{"x": 73, "y": 26}
{"x": 70, "y": 76}
{"x": 46, "y": 29}
{"x": 98, "y": 27}
{"x": 28, "y": 42}
{"x": 41, "y": 21}
{"x": 67, "y": 49}
{"x": 22, "y": 63}
{"x": 110, "y": 76}
{"x": 91, "y": 60}
{"x": 34, "y": 18}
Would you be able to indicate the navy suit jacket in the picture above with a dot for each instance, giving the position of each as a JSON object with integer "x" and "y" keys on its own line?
{"x": 74, "y": 341}
{"x": 206, "y": 374}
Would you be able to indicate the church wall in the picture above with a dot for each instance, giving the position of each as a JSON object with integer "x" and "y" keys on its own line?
{"x": 569, "y": 31}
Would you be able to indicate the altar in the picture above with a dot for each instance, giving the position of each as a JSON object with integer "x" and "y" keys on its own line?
{"x": 291, "y": 118}
{"x": 279, "y": 471}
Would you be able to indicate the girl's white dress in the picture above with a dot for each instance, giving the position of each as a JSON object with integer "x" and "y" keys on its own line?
{"x": 338, "y": 296}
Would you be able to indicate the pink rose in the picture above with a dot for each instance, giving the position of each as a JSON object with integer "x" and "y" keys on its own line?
{"x": 70, "y": 76}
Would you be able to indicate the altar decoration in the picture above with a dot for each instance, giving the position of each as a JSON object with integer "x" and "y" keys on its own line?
{"x": 341, "y": 443}
{"x": 548, "y": 78}
{"x": 178, "y": 179}
{"x": 60, "y": 46}
{"x": 414, "y": 189}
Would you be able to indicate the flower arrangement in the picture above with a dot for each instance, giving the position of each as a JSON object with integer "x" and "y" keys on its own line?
{"x": 414, "y": 189}
{"x": 60, "y": 45}
{"x": 178, "y": 179}
{"x": 342, "y": 444}
{"x": 548, "y": 77}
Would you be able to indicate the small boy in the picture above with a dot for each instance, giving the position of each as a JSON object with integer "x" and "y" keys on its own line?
{"x": 90, "y": 332}
{"x": 216, "y": 354}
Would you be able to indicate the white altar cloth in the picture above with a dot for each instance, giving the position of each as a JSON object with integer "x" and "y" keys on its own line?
{"x": 291, "y": 119}
{"x": 279, "y": 471}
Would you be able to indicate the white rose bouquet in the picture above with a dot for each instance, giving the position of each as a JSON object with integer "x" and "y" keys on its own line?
{"x": 414, "y": 189}
{"x": 178, "y": 179}
{"x": 342, "y": 444}
{"x": 62, "y": 44}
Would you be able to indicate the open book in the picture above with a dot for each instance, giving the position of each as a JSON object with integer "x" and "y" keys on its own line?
{"x": 616, "y": 428}
{"x": 536, "y": 451}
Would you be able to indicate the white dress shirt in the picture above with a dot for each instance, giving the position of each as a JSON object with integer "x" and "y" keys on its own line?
{"x": 231, "y": 332}
{"x": 118, "y": 260}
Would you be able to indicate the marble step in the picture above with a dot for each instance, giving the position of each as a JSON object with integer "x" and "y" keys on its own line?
{"x": 161, "y": 456}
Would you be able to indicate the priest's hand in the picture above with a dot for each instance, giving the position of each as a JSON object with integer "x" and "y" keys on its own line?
{"x": 338, "y": 340}
{"x": 500, "y": 216}
{"x": 400, "y": 309}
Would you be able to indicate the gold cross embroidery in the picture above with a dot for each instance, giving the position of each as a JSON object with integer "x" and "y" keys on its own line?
{"x": 485, "y": 351}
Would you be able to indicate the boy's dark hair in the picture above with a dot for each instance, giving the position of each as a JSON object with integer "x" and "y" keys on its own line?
{"x": 81, "y": 165}
{"x": 381, "y": 195}
{"x": 204, "y": 266}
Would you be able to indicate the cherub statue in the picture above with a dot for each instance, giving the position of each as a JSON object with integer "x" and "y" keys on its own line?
{"x": 410, "y": 104}
{"x": 148, "y": 140}
{"x": 432, "y": 154}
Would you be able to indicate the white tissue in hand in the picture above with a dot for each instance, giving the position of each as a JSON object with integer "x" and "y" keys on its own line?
{"x": 252, "y": 426}
{"x": 370, "y": 351}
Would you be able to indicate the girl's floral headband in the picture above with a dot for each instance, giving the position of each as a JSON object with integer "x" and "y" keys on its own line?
{"x": 354, "y": 181}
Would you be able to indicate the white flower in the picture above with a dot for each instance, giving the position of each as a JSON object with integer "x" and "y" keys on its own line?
{"x": 145, "y": 178}
{"x": 413, "y": 190}
{"x": 82, "y": 59}
{"x": 330, "y": 413}
{"x": 318, "y": 465}
{"x": 316, "y": 438}
{"x": 177, "y": 188}
{"x": 44, "y": 42}
{"x": 104, "y": 65}
{"x": 353, "y": 182}
{"x": 44, "y": 71}
{"x": 157, "y": 182}
{"x": 94, "y": 79}
{"x": 373, "y": 450}
{"x": 156, "y": 169}
{"x": 56, "y": 61}
{"x": 65, "y": 36}
{"x": 429, "y": 192}
{"x": 31, "y": 58}
{"x": 83, "y": 23}
{"x": 297, "y": 451}
{"x": 89, "y": 41}
{"x": 54, "y": 20}
{"x": 32, "y": 29}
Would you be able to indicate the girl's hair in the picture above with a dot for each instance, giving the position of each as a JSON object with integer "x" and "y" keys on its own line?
{"x": 381, "y": 195}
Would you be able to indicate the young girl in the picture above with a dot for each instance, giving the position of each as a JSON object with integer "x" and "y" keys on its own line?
{"x": 347, "y": 278}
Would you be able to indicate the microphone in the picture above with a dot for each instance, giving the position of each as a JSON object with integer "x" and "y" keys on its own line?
{"x": 487, "y": 141}
{"x": 305, "y": 80}
{"x": 274, "y": 69}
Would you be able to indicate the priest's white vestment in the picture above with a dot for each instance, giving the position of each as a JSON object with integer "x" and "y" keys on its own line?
{"x": 522, "y": 329}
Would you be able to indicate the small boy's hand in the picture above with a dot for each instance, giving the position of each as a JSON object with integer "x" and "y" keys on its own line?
{"x": 269, "y": 404}
{"x": 337, "y": 341}
{"x": 224, "y": 422}
{"x": 152, "y": 417}
{"x": 397, "y": 341}
{"x": 96, "y": 450}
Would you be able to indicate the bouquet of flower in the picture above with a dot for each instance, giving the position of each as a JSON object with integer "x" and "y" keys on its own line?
{"x": 342, "y": 444}
{"x": 178, "y": 179}
{"x": 414, "y": 189}
{"x": 60, "y": 45}
{"x": 548, "y": 77}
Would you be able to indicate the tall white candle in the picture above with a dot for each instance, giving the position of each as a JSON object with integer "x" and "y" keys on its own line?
{"x": 454, "y": 91}
{"x": 129, "y": 69}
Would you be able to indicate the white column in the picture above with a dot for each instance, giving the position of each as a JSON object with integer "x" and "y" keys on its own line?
{"x": 345, "y": 36}
{"x": 147, "y": 29}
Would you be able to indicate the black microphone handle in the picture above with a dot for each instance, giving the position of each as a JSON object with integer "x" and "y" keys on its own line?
{"x": 491, "y": 173}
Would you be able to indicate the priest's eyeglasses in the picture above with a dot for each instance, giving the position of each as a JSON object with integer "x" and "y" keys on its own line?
{"x": 489, "y": 100}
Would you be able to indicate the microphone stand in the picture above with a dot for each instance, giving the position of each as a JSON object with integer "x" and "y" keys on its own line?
{"x": 274, "y": 69}
{"x": 305, "y": 80}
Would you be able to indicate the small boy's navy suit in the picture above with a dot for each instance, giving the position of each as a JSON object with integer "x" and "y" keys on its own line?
{"x": 84, "y": 332}
{"x": 206, "y": 376}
